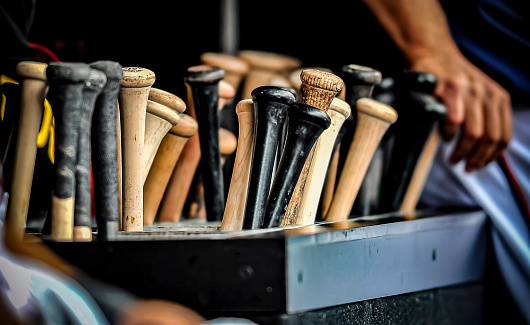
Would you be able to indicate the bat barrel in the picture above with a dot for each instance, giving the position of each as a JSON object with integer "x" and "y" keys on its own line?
{"x": 271, "y": 105}
{"x": 105, "y": 150}
{"x": 306, "y": 123}
{"x": 203, "y": 81}
{"x": 83, "y": 203}
{"x": 67, "y": 81}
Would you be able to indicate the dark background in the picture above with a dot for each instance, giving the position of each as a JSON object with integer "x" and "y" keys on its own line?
{"x": 167, "y": 37}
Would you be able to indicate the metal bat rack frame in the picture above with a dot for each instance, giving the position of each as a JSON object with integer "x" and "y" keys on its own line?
{"x": 293, "y": 269}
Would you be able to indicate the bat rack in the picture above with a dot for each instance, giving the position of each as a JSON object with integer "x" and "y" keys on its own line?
{"x": 294, "y": 270}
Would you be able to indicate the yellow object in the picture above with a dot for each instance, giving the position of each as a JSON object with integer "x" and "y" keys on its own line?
{"x": 5, "y": 79}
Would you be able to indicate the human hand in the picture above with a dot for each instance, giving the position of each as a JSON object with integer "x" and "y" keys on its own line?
{"x": 476, "y": 105}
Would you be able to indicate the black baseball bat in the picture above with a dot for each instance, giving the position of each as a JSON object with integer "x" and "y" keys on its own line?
{"x": 104, "y": 151}
{"x": 306, "y": 123}
{"x": 203, "y": 81}
{"x": 271, "y": 105}
{"x": 65, "y": 94}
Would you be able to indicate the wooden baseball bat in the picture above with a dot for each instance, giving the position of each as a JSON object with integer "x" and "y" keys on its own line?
{"x": 237, "y": 195}
{"x": 158, "y": 121}
{"x": 318, "y": 89}
{"x": 105, "y": 151}
{"x": 133, "y": 94}
{"x": 83, "y": 199}
{"x": 235, "y": 68}
{"x": 203, "y": 81}
{"x": 359, "y": 82}
{"x": 414, "y": 143}
{"x": 264, "y": 67}
{"x": 181, "y": 179}
{"x": 67, "y": 81}
{"x": 373, "y": 119}
{"x": 305, "y": 124}
{"x": 163, "y": 165}
{"x": 338, "y": 112}
{"x": 34, "y": 86}
{"x": 272, "y": 106}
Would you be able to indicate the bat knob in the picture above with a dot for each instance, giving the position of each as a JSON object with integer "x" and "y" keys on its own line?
{"x": 113, "y": 70}
{"x": 282, "y": 95}
{"x": 168, "y": 99}
{"x": 96, "y": 81}
{"x": 204, "y": 74}
{"x": 319, "y": 87}
{"x": 68, "y": 71}
{"x": 32, "y": 70}
{"x": 186, "y": 127}
{"x": 360, "y": 75}
{"x": 321, "y": 79}
{"x": 377, "y": 109}
{"x": 417, "y": 81}
{"x": 134, "y": 77}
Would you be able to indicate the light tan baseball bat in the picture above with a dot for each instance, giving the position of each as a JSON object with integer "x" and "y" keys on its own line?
{"x": 329, "y": 185}
{"x": 237, "y": 195}
{"x": 164, "y": 162}
{"x": 419, "y": 176}
{"x": 133, "y": 96}
{"x": 158, "y": 121}
{"x": 338, "y": 111}
{"x": 34, "y": 87}
{"x": 318, "y": 89}
{"x": 265, "y": 67}
{"x": 374, "y": 118}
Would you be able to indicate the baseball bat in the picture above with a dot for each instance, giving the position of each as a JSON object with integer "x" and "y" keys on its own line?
{"x": 264, "y": 67}
{"x": 271, "y": 105}
{"x": 305, "y": 124}
{"x": 338, "y": 112}
{"x": 67, "y": 81}
{"x": 164, "y": 162}
{"x": 34, "y": 86}
{"x": 373, "y": 119}
{"x": 318, "y": 89}
{"x": 414, "y": 142}
{"x": 203, "y": 81}
{"x": 159, "y": 120}
{"x": 105, "y": 151}
{"x": 359, "y": 82}
{"x": 237, "y": 194}
{"x": 132, "y": 98}
{"x": 83, "y": 203}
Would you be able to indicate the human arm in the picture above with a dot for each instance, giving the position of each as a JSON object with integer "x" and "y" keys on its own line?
{"x": 476, "y": 104}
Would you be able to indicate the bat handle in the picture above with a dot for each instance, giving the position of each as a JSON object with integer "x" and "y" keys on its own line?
{"x": 34, "y": 86}
{"x": 67, "y": 81}
{"x": 271, "y": 105}
{"x": 237, "y": 194}
{"x": 338, "y": 112}
{"x": 133, "y": 94}
{"x": 374, "y": 118}
{"x": 83, "y": 203}
{"x": 104, "y": 136}
{"x": 318, "y": 89}
{"x": 305, "y": 125}
{"x": 203, "y": 82}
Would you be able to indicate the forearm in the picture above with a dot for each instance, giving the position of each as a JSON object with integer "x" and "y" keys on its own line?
{"x": 417, "y": 27}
